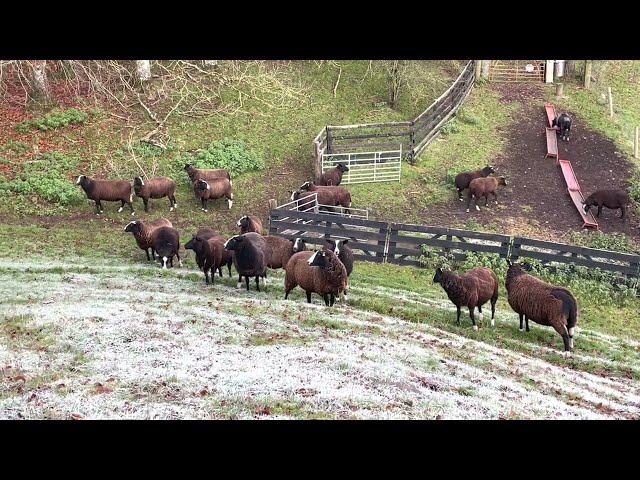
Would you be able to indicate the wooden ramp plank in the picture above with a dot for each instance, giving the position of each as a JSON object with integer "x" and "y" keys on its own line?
{"x": 552, "y": 143}
{"x": 573, "y": 187}
{"x": 551, "y": 113}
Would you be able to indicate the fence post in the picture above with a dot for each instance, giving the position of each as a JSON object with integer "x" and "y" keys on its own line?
{"x": 390, "y": 247}
{"x": 610, "y": 102}
{"x": 329, "y": 141}
{"x": 318, "y": 159}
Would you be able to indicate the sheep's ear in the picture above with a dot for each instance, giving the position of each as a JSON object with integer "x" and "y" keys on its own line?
{"x": 438, "y": 270}
{"x": 344, "y": 242}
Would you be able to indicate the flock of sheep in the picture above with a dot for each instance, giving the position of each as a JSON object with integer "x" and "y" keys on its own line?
{"x": 324, "y": 272}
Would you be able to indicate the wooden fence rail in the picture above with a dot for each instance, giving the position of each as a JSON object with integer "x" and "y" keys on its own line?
{"x": 414, "y": 135}
{"x": 403, "y": 244}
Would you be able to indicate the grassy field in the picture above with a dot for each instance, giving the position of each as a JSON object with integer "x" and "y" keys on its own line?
{"x": 89, "y": 330}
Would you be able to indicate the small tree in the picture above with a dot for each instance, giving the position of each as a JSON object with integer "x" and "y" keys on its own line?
{"x": 396, "y": 78}
{"x": 39, "y": 77}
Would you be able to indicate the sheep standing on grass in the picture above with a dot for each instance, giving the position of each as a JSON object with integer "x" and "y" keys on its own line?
{"x": 195, "y": 173}
{"x": 316, "y": 272}
{"x": 155, "y": 188}
{"x": 209, "y": 255}
{"x": 543, "y": 303}
{"x": 607, "y": 198}
{"x": 345, "y": 255}
{"x": 463, "y": 179}
{"x": 166, "y": 243}
{"x": 471, "y": 289}
{"x": 333, "y": 176}
{"x": 142, "y": 232}
{"x": 206, "y": 234}
{"x": 213, "y": 189}
{"x": 483, "y": 187}
{"x": 249, "y": 223}
{"x": 341, "y": 195}
{"x": 109, "y": 190}
{"x": 251, "y": 253}
{"x": 282, "y": 249}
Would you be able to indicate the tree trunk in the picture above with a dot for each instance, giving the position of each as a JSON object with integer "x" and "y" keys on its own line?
{"x": 587, "y": 74}
{"x": 40, "y": 84}
{"x": 143, "y": 69}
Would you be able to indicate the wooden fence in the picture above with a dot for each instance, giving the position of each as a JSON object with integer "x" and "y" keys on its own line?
{"x": 403, "y": 244}
{"x": 414, "y": 136}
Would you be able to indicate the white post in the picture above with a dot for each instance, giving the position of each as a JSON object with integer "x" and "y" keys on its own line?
{"x": 610, "y": 102}
{"x": 548, "y": 72}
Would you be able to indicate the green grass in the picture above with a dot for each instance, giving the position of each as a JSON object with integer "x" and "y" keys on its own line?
{"x": 472, "y": 144}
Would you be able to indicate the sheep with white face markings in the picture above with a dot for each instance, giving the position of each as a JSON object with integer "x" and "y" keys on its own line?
{"x": 542, "y": 303}
{"x": 471, "y": 289}
{"x": 108, "y": 190}
{"x": 251, "y": 253}
{"x": 213, "y": 189}
{"x": 345, "y": 255}
{"x": 155, "y": 188}
{"x": 142, "y": 233}
{"x": 166, "y": 243}
{"x": 249, "y": 223}
{"x": 282, "y": 249}
{"x": 316, "y": 272}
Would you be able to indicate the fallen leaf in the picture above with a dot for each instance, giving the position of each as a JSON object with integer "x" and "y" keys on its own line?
{"x": 102, "y": 389}
{"x": 20, "y": 378}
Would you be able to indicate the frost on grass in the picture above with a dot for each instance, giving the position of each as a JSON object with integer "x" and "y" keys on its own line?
{"x": 127, "y": 342}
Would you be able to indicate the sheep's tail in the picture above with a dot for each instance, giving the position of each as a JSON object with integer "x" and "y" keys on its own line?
{"x": 569, "y": 308}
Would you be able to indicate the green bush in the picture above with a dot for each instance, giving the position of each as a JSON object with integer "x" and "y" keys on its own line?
{"x": 232, "y": 155}
{"x": 53, "y": 120}
{"x": 47, "y": 178}
{"x": 451, "y": 126}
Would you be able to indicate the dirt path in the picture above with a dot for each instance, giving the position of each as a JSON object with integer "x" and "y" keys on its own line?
{"x": 536, "y": 194}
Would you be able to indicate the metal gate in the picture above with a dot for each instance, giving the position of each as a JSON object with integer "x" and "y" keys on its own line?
{"x": 366, "y": 167}
{"x": 517, "y": 71}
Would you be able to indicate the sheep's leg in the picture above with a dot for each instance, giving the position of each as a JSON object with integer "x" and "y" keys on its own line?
{"x": 622, "y": 209}
{"x": 460, "y": 195}
{"x": 495, "y": 197}
{"x": 326, "y": 299}
{"x": 599, "y": 210}
{"x": 493, "y": 311}
{"x": 131, "y": 207}
{"x": 521, "y": 318}
{"x": 333, "y": 300}
{"x": 564, "y": 333}
{"x": 98, "y": 207}
{"x": 308, "y": 296}
{"x": 480, "y": 316}
{"x": 206, "y": 276}
{"x": 204, "y": 204}
{"x": 121, "y": 206}
{"x": 458, "y": 318}
{"x": 229, "y": 266}
{"x": 172, "y": 203}
{"x": 473, "y": 318}
{"x": 146, "y": 250}
{"x": 526, "y": 320}
{"x": 476, "y": 202}
{"x": 220, "y": 271}
{"x": 286, "y": 292}
{"x": 240, "y": 281}
{"x": 469, "y": 200}
{"x": 153, "y": 253}
{"x": 486, "y": 199}
{"x": 179, "y": 259}
{"x": 146, "y": 204}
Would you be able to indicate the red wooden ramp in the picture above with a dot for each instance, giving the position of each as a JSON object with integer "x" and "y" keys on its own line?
{"x": 575, "y": 194}
{"x": 552, "y": 143}
{"x": 551, "y": 113}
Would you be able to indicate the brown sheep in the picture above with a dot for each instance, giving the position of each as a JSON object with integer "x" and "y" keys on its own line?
{"x": 195, "y": 173}
{"x": 282, "y": 249}
{"x": 142, "y": 233}
{"x": 166, "y": 243}
{"x": 213, "y": 189}
{"x": 607, "y": 198}
{"x": 109, "y": 190}
{"x": 249, "y": 223}
{"x": 340, "y": 194}
{"x": 206, "y": 234}
{"x": 251, "y": 253}
{"x": 333, "y": 176}
{"x": 482, "y": 187}
{"x": 210, "y": 255}
{"x": 471, "y": 289}
{"x": 316, "y": 272}
{"x": 543, "y": 303}
{"x": 463, "y": 179}
{"x": 155, "y": 188}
